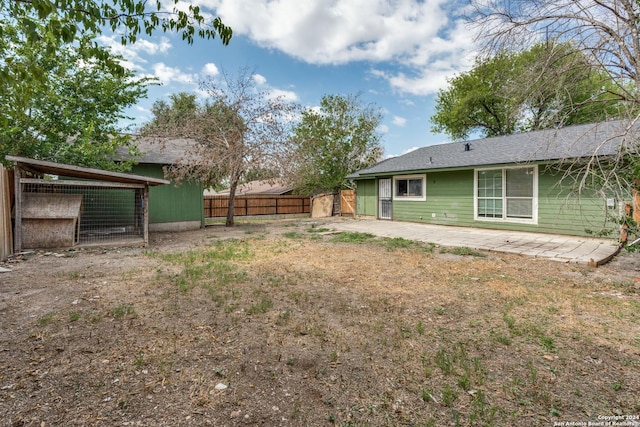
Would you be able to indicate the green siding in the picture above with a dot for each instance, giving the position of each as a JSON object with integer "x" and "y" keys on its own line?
{"x": 450, "y": 201}
{"x": 171, "y": 203}
{"x": 366, "y": 198}
{"x": 558, "y": 212}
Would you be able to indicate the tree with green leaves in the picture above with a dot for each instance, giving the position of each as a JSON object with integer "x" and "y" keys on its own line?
{"x": 62, "y": 93}
{"x": 472, "y": 101}
{"x": 606, "y": 33}
{"x": 55, "y": 22}
{"x": 181, "y": 108}
{"x": 54, "y": 25}
{"x": 70, "y": 113}
{"x": 238, "y": 129}
{"x": 542, "y": 87}
{"x": 339, "y": 138}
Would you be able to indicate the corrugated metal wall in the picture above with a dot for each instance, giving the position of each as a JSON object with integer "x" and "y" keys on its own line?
{"x": 6, "y": 238}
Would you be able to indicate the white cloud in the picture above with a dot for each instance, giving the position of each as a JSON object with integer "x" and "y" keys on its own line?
{"x": 210, "y": 70}
{"x": 259, "y": 79}
{"x": 285, "y": 95}
{"x": 135, "y": 53}
{"x": 273, "y": 93}
{"x": 426, "y": 83}
{"x": 399, "y": 121}
{"x": 168, "y": 74}
{"x": 424, "y": 37}
{"x": 408, "y": 150}
{"x": 202, "y": 94}
{"x": 384, "y": 129}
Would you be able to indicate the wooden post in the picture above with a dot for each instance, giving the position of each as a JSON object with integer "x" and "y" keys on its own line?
{"x": 17, "y": 232}
{"x": 145, "y": 214}
{"x": 636, "y": 206}
{"x": 138, "y": 194}
{"x": 624, "y": 233}
{"x": 6, "y": 235}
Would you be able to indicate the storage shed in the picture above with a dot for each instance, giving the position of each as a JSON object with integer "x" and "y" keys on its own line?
{"x": 58, "y": 205}
{"x": 175, "y": 207}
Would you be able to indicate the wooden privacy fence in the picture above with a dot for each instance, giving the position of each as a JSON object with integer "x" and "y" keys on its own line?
{"x": 217, "y": 206}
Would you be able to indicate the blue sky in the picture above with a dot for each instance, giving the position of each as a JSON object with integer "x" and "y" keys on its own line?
{"x": 395, "y": 53}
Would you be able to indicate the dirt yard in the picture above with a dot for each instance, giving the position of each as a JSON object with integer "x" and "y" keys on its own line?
{"x": 289, "y": 324}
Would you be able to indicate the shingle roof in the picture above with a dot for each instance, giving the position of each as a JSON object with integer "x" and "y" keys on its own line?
{"x": 602, "y": 139}
{"x": 162, "y": 151}
{"x": 276, "y": 186}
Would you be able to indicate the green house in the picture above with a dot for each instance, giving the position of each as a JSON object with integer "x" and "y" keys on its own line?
{"x": 515, "y": 182}
{"x": 174, "y": 207}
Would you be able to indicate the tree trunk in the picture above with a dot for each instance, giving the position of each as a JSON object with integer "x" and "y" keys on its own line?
{"x": 232, "y": 201}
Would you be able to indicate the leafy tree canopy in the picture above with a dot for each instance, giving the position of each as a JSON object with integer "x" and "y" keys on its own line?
{"x": 181, "y": 108}
{"x": 546, "y": 85}
{"x": 70, "y": 113}
{"x": 67, "y": 21}
{"x": 56, "y": 24}
{"x": 62, "y": 93}
{"x": 334, "y": 141}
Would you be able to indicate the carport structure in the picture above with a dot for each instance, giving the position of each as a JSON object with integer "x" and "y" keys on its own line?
{"x": 60, "y": 205}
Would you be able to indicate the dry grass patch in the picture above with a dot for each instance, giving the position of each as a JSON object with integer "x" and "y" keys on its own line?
{"x": 304, "y": 327}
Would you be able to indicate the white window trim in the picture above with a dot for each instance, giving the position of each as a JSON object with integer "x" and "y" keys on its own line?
{"x": 534, "y": 200}
{"x": 422, "y": 198}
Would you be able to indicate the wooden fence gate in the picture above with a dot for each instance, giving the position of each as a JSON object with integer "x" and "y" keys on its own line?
{"x": 347, "y": 202}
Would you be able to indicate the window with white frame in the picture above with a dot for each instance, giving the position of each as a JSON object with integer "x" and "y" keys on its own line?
{"x": 409, "y": 187}
{"x": 507, "y": 194}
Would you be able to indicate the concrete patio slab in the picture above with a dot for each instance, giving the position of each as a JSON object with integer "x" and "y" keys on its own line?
{"x": 575, "y": 249}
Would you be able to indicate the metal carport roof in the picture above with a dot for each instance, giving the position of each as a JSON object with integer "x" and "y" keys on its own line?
{"x": 44, "y": 167}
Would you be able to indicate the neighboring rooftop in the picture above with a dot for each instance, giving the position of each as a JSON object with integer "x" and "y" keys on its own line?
{"x": 266, "y": 187}
{"x": 162, "y": 151}
{"x": 601, "y": 139}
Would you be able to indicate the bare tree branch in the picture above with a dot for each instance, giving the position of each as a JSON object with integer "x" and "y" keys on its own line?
{"x": 607, "y": 32}
{"x": 239, "y": 128}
